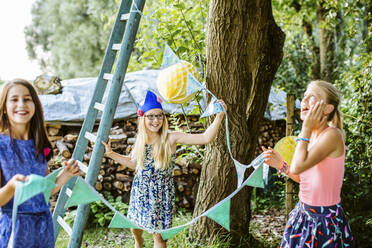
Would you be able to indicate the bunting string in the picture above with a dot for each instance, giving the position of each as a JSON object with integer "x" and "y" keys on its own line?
{"x": 83, "y": 193}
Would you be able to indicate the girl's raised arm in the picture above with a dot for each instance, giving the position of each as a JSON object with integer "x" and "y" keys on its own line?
{"x": 199, "y": 139}
{"x": 121, "y": 159}
{"x": 330, "y": 143}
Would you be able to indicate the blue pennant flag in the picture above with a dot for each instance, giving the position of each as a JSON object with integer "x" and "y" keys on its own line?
{"x": 169, "y": 57}
{"x": 213, "y": 108}
{"x": 240, "y": 170}
{"x": 192, "y": 84}
{"x": 257, "y": 161}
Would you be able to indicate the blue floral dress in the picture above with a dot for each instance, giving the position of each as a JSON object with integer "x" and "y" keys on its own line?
{"x": 152, "y": 197}
{"x": 34, "y": 224}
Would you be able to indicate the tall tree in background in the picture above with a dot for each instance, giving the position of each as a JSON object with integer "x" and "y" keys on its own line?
{"x": 69, "y": 37}
{"x": 244, "y": 50}
{"x": 326, "y": 41}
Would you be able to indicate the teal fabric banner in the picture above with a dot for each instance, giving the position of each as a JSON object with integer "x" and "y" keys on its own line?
{"x": 120, "y": 221}
{"x": 221, "y": 214}
{"x": 169, "y": 233}
{"x": 81, "y": 194}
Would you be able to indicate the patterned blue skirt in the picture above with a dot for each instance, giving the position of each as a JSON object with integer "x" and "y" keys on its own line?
{"x": 32, "y": 230}
{"x": 314, "y": 227}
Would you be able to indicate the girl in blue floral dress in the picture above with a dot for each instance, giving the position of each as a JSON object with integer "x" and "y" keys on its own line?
{"x": 24, "y": 150}
{"x": 152, "y": 199}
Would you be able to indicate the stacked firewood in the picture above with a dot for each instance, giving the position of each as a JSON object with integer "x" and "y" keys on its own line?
{"x": 117, "y": 179}
{"x": 270, "y": 132}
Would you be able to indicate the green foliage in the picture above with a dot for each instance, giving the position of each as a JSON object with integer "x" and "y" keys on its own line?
{"x": 352, "y": 70}
{"x": 102, "y": 215}
{"x": 179, "y": 23}
{"x": 357, "y": 108}
{"x": 69, "y": 37}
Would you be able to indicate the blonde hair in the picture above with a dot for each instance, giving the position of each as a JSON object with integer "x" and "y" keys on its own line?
{"x": 161, "y": 151}
{"x": 333, "y": 97}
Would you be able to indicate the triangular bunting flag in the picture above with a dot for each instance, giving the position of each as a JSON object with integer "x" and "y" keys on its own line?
{"x": 169, "y": 233}
{"x": 192, "y": 84}
{"x": 25, "y": 190}
{"x": 257, "y": 161}
{"x": 169, "y": 57}
{"x": 51, "y": 178}
{"x": 35, "y": 184}
{"x": 256, "y": 178}
{"x": 213, "y": 108}
{"x": 240, "y": 170}
{"x": 81, "y": 194}
{"x": 120, "y": 221}
{"x": 221, "y": 214}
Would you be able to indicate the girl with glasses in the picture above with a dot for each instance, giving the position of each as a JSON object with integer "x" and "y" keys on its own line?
{"x": 152, "y": 199}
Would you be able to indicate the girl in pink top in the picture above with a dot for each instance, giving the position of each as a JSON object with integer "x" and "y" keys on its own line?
{"x": 318, "y": 165}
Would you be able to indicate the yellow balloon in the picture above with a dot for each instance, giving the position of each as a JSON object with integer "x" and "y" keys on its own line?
{"x": 172, "y": 82}
{"x": 286, "y": 147}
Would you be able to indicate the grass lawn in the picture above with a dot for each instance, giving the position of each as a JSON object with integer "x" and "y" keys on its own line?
{"x": 103, "y": 237}
{"x": 99, "y": 237}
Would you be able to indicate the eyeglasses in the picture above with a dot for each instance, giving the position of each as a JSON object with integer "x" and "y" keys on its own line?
{"x": 152, "y": 117}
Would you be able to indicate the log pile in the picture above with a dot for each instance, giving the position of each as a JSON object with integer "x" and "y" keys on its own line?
{"x": 270, "y": 132}
{"x": 117, "y": 179}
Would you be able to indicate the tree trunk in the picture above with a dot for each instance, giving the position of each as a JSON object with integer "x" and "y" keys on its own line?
{"x": 244, "y": 51}
{"x": 327, "y": 44}
{"x": 314, "y": 48}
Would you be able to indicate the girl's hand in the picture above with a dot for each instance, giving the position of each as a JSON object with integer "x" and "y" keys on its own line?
{"x": 71, "y": 168}
{"x": 16, "y": 178}
{"x": 315, "y": 118}
{"x": 107, "y": 146}
{"x": 222, "y": 113}
{"x": 272, "y": 158}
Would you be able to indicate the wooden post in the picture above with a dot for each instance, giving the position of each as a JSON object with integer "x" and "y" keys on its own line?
{"x": 288, "y": 132}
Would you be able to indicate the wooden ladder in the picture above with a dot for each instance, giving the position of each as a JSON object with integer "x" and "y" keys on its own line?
{"x": 122, "y": 39}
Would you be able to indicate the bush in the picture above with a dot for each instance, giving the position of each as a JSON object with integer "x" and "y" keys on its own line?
{"x": 101, "y": 214}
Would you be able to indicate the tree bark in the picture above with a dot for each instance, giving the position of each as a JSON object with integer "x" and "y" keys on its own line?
{"x": 314, "y": 48}
{"x": 326, "y": 44}
{"x": 244, "y": 51}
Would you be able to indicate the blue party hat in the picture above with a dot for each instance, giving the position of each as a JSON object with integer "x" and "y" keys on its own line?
{"x": 152, "y": 101}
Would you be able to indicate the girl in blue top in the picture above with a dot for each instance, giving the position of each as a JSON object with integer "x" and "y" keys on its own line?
{"x": 24, "y": 150}
{"x": 152, "y": 197}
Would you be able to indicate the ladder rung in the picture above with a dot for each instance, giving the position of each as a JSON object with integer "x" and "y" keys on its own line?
{"x": 65, "y": 226}
{"x": 108, "y": 76}
{"x": 125, "y": 17}
{"x": 82, "y": 166}
{"x": 68, "y": 192}
{"x": 91, "y": 137}
{"x": 99, "y": 106}
{"x": 116, "y": 47}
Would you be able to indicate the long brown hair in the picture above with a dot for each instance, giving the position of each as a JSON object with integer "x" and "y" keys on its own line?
{"x": 333, "y": 97}
{"x": 37, "y": 130}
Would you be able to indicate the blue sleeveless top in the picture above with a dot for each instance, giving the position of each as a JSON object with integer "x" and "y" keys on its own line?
{"x": 10, "y": 165}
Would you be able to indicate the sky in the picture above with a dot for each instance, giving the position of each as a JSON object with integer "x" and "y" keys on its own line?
{"x": 14, "y": 61}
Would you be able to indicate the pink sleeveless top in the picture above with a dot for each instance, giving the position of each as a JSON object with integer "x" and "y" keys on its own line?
{"x": 321, "y": 184}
